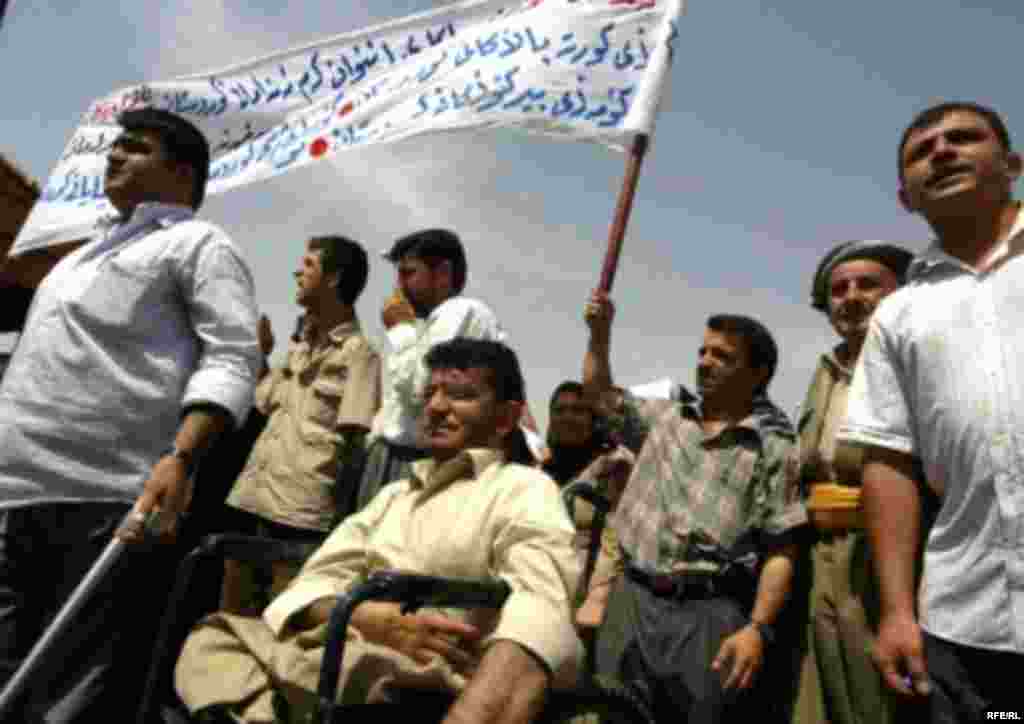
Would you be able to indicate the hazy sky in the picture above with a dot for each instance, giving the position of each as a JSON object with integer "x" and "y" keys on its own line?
{"x": 777, "y": 141}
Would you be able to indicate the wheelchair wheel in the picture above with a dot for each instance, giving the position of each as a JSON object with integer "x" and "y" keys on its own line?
{"x": 601, "y": 702}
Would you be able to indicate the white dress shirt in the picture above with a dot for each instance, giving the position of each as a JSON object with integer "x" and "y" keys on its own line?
{"x": 154, "y": 314}
{"x": 941, "y": 377}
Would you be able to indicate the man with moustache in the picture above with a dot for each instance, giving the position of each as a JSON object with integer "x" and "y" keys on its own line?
{"x": 940, "y": 378}
{"x": 705, "y": 527}
{"x": 839, "y": 683}
{"x": 464, "y": 511}
{"x": 139, "y": 349}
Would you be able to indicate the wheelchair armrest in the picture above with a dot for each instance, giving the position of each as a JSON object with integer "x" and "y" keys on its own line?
{"x": 587, "y": 490}
{"x": 412, "y": 591}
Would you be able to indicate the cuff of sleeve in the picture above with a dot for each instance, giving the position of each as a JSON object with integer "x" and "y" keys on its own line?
{"x": 223, "y": 387}
{"x": 860, "y": 435}
{"x": 542, "y": 627}
{"x": 401, "y": 335}
{"x": 299, "y": 596}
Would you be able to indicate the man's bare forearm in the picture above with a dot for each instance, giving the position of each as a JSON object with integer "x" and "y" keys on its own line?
{"x": 509, "y": 687}
{"x": 773, "y": 585}
{"x": 597, "y": 371}
{"x": 892, "y": 515}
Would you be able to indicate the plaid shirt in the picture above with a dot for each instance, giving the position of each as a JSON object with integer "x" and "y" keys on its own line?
{"x": 690, "y": 491}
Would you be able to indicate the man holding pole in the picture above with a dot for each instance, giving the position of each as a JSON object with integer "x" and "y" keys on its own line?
{"x": 140, "y": 348}
{"x": 704, "y": 526}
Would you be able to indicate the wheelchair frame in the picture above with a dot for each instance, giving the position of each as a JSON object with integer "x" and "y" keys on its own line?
{"x": 411, "y": 591}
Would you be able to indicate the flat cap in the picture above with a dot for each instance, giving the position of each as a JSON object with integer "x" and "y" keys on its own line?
{"x": 891, "y": 255}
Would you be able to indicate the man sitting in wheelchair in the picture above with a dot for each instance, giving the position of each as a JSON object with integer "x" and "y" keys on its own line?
{"x": 465, "y": 512}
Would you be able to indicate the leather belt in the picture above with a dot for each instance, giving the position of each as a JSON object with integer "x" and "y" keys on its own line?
{"x": 679, "y": 585}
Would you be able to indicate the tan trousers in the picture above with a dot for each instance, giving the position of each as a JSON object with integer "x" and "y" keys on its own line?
{"x": 838, "y": 681}
{"x": 237, "y": 663}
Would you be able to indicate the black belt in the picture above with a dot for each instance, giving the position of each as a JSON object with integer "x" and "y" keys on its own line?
{"x": 691, "y": 585}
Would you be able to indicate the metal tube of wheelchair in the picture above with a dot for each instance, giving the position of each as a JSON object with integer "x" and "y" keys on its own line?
{"x": 589, "y": 492}
{"x": 334, "y": 647}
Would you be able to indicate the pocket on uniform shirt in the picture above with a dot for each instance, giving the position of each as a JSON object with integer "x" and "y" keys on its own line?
{"x": 322, "y": 405}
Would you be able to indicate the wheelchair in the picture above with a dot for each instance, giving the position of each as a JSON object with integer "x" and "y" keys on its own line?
{"x": 594, "y": 699}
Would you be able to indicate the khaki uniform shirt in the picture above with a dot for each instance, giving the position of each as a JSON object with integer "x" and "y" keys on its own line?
{"x": 317, "y": 394}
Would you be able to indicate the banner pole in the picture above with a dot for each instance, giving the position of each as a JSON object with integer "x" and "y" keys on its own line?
{"x": 622, "y": 211}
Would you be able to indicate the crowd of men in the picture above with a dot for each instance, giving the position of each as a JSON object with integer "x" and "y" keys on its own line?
{"x": 865, "y": 564}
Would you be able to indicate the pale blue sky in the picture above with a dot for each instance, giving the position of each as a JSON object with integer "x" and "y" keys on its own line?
{"x": 777, "y": 141}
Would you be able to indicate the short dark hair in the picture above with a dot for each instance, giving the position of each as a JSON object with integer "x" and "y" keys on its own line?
{"x": 570, "y": 386}
{"x": 347, "y": 258}
{"x": 762, "y": 352}
{"x": 434, "y": 246}
{"x": 932, "y": 115}
{"x": 498, "y": 359}
{"x": 182, "y": 142}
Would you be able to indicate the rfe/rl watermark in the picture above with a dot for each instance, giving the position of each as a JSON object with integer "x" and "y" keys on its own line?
{"x": 1003, "y": 716}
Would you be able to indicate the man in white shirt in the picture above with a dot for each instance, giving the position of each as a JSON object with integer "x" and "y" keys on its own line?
{"x": 431, "y": 269}
{"x": 941, "y": 379}
{"x": 139, "y": 349}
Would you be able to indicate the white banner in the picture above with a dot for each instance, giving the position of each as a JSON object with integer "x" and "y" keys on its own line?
{"x": 579, "y": 69}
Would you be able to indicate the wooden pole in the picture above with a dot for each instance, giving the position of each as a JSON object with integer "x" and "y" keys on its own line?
{"x": 622, "y": 211}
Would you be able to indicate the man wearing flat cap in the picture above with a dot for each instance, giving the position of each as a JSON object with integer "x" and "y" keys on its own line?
{"x": 838, "y": 682}
{"x": 426, "y": 308}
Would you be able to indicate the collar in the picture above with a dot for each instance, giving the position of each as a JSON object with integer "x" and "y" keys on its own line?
{"x": 345, "y": 329}
{"x": 830, "y": 360}
{"x": 336, "y": 335}
{"x": 115, "y": 230}
{"x": 934, "y": 257}
{"x": 152, "y": 212}
{"x": 429, "y": 475}
{"x": 765, "y": 416}
{"x": 436, "y": 311}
